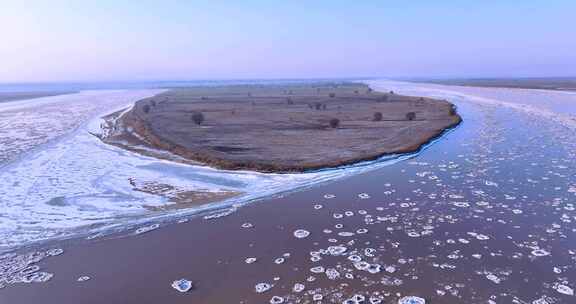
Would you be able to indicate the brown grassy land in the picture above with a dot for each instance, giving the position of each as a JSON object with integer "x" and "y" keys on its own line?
{"x": 283, "y": 128}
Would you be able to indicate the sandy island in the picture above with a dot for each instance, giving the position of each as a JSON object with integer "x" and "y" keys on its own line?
{"x": 280, "y": 128}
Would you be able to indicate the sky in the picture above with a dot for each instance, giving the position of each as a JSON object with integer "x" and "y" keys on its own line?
{"x": 109, "y": 40}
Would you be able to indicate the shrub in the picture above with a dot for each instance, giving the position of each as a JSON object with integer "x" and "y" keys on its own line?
{"x": 385, "y": 98}
{"x": 318, "y": 106}
{"x": 334, "y": 123}
{"x": 410, "y": 115}
{"x": 355, "y": 91}
{"x": 369, "y": 90}
{"x": 197, "y": 118}
{"x": 146, "y": 109}
{"x": 289, "y": 101}
{"x": 323, "y": 106}
{"x": 153, "y": 103}
{"x": 332, "y": 95}
{"x": 204, "y": 98}
{"x": 391, "y": 92}
{"x": 377, "y": 116}
{"x": 452, "y": 111}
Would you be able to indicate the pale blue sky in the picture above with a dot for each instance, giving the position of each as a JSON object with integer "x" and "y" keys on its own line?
{"x": 83, "y": 40}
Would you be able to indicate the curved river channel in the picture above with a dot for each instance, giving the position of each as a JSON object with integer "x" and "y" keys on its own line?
{"x": 485, "y": 214}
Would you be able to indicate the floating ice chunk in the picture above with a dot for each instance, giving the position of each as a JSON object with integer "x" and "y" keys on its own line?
{"x": 493, "y": 278}
{"x": 364, "y": 195}
{"x": 37, "y": 277}
{"x": 329, "y": 196}
{"x": 276, "y": 300}
{"x": 563, "y": 289}
{"x": 390, "y": 269}
{"x": 374, "y": 300}
{"x": 412, "y": 300}
{"x": 298, "y": 287}
{"x": 182, "y": 285}
{"x": 493, "y": 184}
{"x": 317, "y": 297}
{"x": 147, "y": 228}
{"x": 332, "y": 273}
{"x": 337, "y": 250}
{"x": 373, "y": 268}
{"x": 362, "y": 265}
{"x": 355, "y": 258}
{"x": 279, "y": 261}
{"x": 461, "y": 204}
{"x": 250, "y": 260}
{"x": 55, "y": 251}
{"x": 542, "y": 300}
{"x": 220, "y": 214}
{"x": 30, "y": 269}
{"x": 262, "y": 287}
{"x": 540, "y": 252}
{"x": 369, "y": 252}
{"x": 362, "y": 231}
{"x": 301, "y": 233}
{"x": 83, "y": 279}
{"x": 317, "y": 269}
{"x": 318, "y": 206}
{"x": 247, "y": 225}
{"x": 346, "y": 233}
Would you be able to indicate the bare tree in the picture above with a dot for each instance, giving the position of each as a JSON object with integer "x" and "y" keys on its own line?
{"x": 197, "y": 118}
{"x": 410, "y": 115}
{"x": 334, "y": 123}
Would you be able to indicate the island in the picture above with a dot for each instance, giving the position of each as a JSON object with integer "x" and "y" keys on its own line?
{"x": 279, "y": 128}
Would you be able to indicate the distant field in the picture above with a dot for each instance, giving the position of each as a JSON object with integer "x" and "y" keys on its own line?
{"x": 12, "y": 96}
{"x": 523, "y": 83}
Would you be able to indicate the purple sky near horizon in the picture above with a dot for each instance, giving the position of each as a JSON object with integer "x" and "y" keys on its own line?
{"x": 108, "y": 40}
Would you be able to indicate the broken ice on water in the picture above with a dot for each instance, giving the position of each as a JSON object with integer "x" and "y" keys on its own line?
{"x": 182, "y": 285}
{"x": 412, "y": 300}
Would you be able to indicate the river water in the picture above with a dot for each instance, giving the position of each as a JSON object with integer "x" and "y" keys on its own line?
{"x": 487, "y": 214}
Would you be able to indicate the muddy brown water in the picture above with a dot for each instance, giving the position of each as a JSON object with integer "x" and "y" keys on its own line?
{"x": 486, "y": 215}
